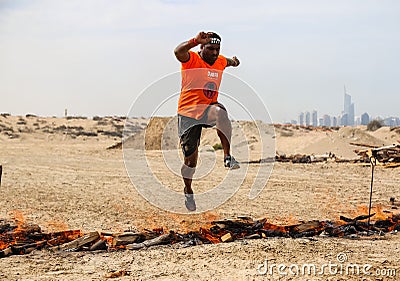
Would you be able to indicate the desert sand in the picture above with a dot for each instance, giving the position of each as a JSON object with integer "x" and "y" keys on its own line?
{"x": 59, "y": 174}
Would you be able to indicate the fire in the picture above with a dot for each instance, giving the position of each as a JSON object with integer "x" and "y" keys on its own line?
{"x": 19, "y": 237}
{"x": 274, "y": 228}
{"x": 60, "y": 237}
{"x": 17, "y": 216}
{"x": 378, "y": 210}
{"x": 3, "y": 245}
{"x": 207, "y": 234}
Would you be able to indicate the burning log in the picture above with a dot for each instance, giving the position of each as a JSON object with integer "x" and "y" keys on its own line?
{"x": 356, "y": 226}
{"x": 307, "y": 229}
{"x": 340, "y": 231}
{"x": 6, "y": 252}
{"x": 6, "y": 226}
{"x": 272, "y": 230}
{"x": 99, "y": 245}
{"x": 152, "y": 242}
{"x": 78, "y": 243}
{"x": 62, "y": 237}
{"x": 126, "y": 238}
{"x": 17, "y": 235}
{"x": 27, "y": 248}
{"x": 359, "y": 218}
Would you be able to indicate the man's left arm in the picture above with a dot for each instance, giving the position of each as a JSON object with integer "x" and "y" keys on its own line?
{"x": 232, "y": 62}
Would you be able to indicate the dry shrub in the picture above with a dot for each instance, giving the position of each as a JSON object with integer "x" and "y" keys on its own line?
{"x": 374, "y": 125}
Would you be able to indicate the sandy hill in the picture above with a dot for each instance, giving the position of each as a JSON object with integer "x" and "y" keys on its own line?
{"x": 293, "y": 139}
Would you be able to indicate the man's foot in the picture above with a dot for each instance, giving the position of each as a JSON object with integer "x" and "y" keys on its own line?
{"x": 189, "y": 202}
{"x": 231, "y": 163}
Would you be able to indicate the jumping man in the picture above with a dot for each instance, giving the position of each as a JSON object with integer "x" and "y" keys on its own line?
{"x": 198, "y": 106}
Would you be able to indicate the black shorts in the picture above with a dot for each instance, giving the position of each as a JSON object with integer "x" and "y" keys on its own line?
{"x": 189, "y": 130}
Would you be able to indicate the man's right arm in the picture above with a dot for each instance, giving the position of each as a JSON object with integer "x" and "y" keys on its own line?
{"x": 182, "y": 50}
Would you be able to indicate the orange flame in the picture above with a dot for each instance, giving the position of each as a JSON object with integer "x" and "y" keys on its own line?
{"x": 377, "y": 210}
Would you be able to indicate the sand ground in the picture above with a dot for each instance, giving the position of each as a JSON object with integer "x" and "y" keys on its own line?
{"x": 69, "y": 181}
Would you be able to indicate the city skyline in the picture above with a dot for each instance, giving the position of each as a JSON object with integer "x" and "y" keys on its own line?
{"x": 345, "y": 118}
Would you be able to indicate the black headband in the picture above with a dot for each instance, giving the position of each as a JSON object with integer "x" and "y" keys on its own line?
{"x": 215, "y": 41}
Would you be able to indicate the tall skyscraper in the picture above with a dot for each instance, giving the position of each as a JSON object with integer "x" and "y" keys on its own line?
{"x": 344, "y": 120}
{"x": 351, "y": 115}
{"x": 301, "y": 119}
{"x": 308, "y": 118}
{"x": 348, "y": 109}
{"x": 334, "y": 121}
{"x": 314, "y": 118}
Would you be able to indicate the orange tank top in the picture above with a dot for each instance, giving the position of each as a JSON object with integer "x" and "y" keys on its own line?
{"x": 200, "y": 84}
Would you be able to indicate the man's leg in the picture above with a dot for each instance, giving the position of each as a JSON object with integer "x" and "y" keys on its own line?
{"x": 189, "y": 134}
{"x": 218, "y": 115}
{"x": 187, "y": 171}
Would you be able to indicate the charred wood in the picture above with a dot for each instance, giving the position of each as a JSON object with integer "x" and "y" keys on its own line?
{"x": 6, "y": 252}
{"x": 152, "y": 242}
{"x": 99, "y": 245}
{"x": 78, "y": 243}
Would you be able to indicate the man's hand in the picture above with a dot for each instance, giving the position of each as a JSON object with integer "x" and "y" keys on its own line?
{"x": 203, "y": 38}
{"x": 182, "y": 50}
{"x": 233, "y": 61}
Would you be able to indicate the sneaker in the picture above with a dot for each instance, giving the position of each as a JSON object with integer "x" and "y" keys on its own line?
{"x": 189, "y": 202}
{"x": 231, "y": 163}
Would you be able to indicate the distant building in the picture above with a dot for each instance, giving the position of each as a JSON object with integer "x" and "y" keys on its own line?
{"x": 301, "y": 119}
{"x": 358, "y": 121}
{"x": 348, "y": 109}
{"x": 327, "y": 120}
{"x": 351, "y": 115}
{"x": 392, "y": 121}
{"x": 308, "y": 118}
{"x": 321, "y": 122}
{"x": 344, "y": 120}
{"x": 315, "y": 118}
{"x": 334, "y": 121}
{"x": 364, "y": 119}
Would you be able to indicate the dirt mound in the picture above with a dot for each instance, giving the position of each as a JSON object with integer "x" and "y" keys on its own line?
{"x": 391, "y": 135}
{"x": 359, "y": 135}
{"x": 339, "y": 141}
{"x": 159, "y": 133}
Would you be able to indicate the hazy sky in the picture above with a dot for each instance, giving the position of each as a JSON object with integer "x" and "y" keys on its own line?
{"x": 95, "y": 57}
